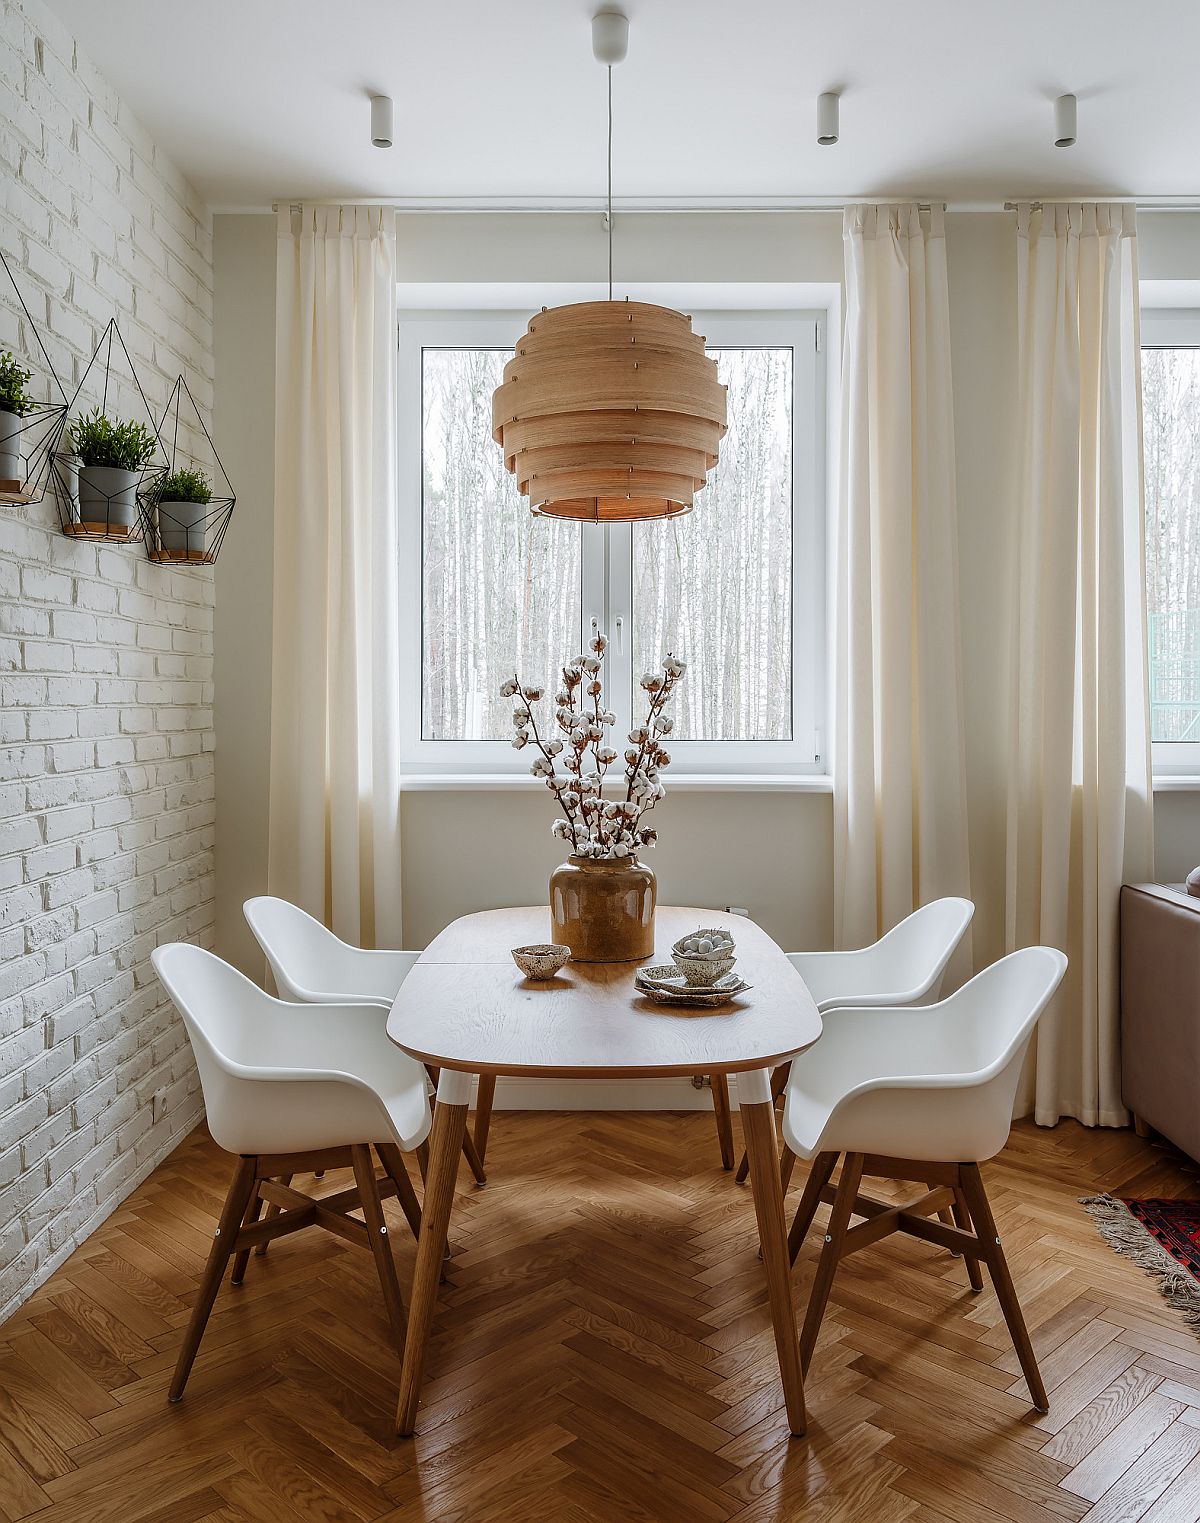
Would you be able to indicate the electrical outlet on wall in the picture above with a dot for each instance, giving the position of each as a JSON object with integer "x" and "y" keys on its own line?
{"x": 737, "y": 909}
{"x": 158, "y": 1105}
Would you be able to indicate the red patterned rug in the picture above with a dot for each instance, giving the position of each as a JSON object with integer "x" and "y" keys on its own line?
{"x": 1163, "y": 1236}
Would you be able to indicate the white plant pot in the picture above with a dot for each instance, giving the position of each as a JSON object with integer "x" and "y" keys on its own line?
{"x": 11, "y": 424}
{"x": 108, "y": 495}
{"x": 181, "y": 526}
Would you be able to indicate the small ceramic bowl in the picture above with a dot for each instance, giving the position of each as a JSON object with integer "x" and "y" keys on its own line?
{"x": 541, "y": 961}
{"x": 702, "y": 971}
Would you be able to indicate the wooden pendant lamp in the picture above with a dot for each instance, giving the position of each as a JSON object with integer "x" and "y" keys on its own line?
{"x": 610, "y": 411}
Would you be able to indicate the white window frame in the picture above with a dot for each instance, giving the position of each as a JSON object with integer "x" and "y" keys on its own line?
{"x": 607, "y": 571}
{"x": 1172, "y": 328}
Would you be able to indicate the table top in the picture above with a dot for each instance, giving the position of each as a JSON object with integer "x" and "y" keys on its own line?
{"x": 465, "y": 1006}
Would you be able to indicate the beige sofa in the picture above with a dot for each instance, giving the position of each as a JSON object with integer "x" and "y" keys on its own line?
{"x": 1160, "y": 1011}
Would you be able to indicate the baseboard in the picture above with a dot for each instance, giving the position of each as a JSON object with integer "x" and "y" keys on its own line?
{"x": 677, "y": 1094}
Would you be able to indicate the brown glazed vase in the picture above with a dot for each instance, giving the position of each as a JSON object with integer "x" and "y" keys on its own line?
{"x": 603, "y": 909}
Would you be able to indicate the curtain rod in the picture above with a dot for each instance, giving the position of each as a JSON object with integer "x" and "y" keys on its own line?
{"x": 691, "y": 205}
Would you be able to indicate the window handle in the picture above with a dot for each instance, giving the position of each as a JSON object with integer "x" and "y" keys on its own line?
{"x": 619, "y": 630}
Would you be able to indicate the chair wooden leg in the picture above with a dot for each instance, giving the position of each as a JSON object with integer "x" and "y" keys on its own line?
{"x": 422, "y": 1152}
{"x": 484, "y": 1097}
{"x": 381, "y": 1248}
{"x": 242, "y": 1257}
{"x": 474, "y": 1162}
{"x": 393, "y": 1162}
{"x": 947, "y": 1217}
{"x": 787, "y": 1162}
{"x": 720, "y": 1094}
{"x": 236, "y": 1202}
{"x": 818, "y": 1177}
{"x": 962, "y": 1218}
{"x": 993, "y": 1253}
{"x": 272, "y": 1210}
{"x": 843, "y": 1208}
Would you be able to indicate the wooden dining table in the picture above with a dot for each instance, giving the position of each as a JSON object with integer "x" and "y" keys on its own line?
{"x": 466, "y": 1010}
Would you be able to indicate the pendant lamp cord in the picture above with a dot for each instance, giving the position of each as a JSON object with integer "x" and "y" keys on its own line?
{"x": 610, "y": 226}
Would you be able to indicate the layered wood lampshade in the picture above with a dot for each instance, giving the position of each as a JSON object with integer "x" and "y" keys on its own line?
{"x": 610, "y": 411}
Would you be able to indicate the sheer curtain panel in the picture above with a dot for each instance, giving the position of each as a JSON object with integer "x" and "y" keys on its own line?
{"x": 900, "y": 822}
{"x": 1079, "y": 809}
{"x": 334, "y": 835}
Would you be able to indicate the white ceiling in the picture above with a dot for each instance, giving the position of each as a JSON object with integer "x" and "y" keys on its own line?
{"x": 257, "y": 99}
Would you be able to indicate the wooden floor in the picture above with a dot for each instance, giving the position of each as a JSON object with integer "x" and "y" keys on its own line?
{"x": 603, "y": 1352}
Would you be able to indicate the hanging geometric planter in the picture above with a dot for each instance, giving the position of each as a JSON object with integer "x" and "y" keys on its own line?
{"x": 111, "y": 462}
{"x": 183, "y": 518}
{"x": 30, "y": 431}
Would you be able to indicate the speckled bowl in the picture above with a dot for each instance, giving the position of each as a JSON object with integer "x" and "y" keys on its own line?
{"x": 702, "y": 971}
{"x": 542, "y": 961}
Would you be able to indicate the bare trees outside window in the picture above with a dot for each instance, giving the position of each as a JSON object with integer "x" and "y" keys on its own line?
{"x": 502, "y": 589}
{"x": 717, "y": 586}
{"x": 1171, "y": 431}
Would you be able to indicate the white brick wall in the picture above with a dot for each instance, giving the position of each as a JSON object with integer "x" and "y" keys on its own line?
{"x": 106, "y": 736}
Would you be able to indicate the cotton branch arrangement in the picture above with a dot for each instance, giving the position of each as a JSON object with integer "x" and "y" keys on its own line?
{"x": 596, "y": 826}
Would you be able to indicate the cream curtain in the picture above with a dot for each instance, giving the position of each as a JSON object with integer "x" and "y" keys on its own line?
{"x": 334, "y": 834}
{"x": 1079, "y": 809}
{"x": 900, "y": 822}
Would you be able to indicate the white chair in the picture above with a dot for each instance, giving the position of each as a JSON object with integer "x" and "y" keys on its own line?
{"x": 923, "y": 1094}
{"x": 314, "y": 966}
{"x": 290, "y": 1088}
{"x": 905, "y": 967}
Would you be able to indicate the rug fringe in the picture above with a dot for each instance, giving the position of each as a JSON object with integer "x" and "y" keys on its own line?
{"x": 1122, "y": 1231}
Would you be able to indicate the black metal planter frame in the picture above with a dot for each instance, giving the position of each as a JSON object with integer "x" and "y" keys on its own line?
{"x": 86, "y": 509}
{"x": 40, "y": 429}
{"x": 168, "y": 537}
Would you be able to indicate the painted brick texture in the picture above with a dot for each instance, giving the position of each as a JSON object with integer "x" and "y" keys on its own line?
{"x": 106, "y": 732}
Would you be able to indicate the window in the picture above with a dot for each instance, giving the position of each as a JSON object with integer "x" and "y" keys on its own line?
{"x": 737, "y": 587}
{"x": 1171, "y": 442}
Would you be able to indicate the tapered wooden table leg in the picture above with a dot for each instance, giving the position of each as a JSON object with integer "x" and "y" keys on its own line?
{"x": 720, "y": 1094}
{"x": 445, "y": 1144}
{"x": 758, "y": 1128}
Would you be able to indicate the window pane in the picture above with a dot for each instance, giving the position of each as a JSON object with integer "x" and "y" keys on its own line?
{"x": 501, "y": 588}
{"x": 1171, "y": 407}
{"x": 716, "y": 587}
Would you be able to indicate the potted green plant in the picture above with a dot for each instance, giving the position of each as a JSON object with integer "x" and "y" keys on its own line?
{"x": 111, "y": 455}
{"x": 15, "y": 402}
{"x": 182, "y": 498}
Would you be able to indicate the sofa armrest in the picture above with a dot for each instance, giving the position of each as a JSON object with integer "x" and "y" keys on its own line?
{"x": 1160, "y": 1010}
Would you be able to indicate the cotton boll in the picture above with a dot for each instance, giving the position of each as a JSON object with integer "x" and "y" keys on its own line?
{"x": 520, "y": 739}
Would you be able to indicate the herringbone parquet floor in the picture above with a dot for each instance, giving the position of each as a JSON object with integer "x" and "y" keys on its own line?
{"x": 603, "y": 1352}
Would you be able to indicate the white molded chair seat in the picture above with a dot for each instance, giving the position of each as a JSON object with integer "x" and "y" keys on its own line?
{"x": 284, "y": 1078}
{"x": 294, "y": 1088}
{"x": 929, "y": 1082}
{"x": 923, "y": 1094}
{"x": 901, "y": 968}
{"x": 311, "y": 964}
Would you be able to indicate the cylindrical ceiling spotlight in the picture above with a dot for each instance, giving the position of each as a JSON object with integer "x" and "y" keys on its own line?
{"x": 1064, "y": 121}
{"x": 827, "y": 119}
{"x": 381, "y": 121}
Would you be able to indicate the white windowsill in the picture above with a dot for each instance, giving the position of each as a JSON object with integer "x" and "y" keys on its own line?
{"x": 685, "y": 782}
{"x": 1176, "y": 782}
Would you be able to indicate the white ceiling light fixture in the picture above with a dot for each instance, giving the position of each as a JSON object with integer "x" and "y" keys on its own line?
{"x": 828, "y": 129}
{"x": 1064, "y": 121}
{"x": 381, "y": 121}
{"x": 610, "y": 411}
